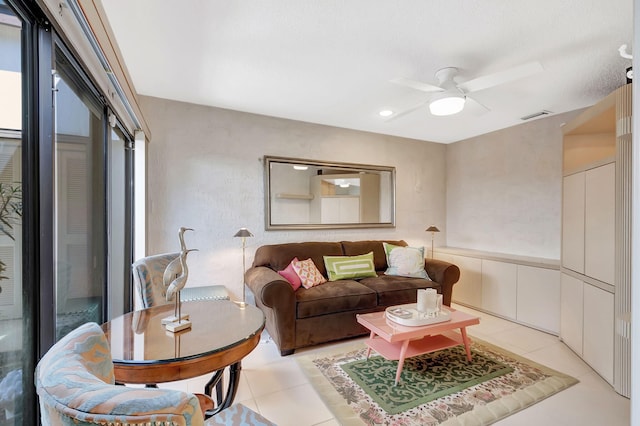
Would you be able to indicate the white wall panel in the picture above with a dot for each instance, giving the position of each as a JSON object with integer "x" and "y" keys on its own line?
{"x": 504, "y": 189}
{"x": 205, "y": 171}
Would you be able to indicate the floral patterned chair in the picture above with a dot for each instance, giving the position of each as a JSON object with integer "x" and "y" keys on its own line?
{"x": 76, "y": 386}
{"x": 150, "y": 291}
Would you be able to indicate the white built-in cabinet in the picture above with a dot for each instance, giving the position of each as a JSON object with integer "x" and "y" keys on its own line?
{"x": 588, "y": 262}
{"x": 587, "y": 323}
{"x": 521, "y": 289}
{"x": 595, "y": 183}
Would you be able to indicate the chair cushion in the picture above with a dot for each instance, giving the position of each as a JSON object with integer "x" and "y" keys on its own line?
{"x": 334, "y": 296}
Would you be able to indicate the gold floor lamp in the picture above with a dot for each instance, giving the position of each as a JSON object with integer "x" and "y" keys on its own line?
{"x": 433, "y": 229}
{"x": 243, "y": 233}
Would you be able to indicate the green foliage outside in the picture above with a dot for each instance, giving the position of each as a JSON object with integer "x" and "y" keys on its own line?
{"x": 10, "y": 214}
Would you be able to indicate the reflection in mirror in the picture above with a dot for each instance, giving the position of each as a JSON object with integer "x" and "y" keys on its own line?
{"x": 309, "y": 194}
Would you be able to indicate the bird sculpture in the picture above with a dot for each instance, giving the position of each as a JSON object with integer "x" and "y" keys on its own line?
{"x": 174, "y": 268}
{"x": 180, "y": 281}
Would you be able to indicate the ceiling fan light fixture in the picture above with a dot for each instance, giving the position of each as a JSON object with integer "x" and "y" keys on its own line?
{"x": 447, "y": 103}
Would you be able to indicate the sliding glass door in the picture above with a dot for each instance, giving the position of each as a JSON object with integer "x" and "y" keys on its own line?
{"x": 65, "y": 202}
{"x": 12, "y": 340}
{"x": 80, "y": 224}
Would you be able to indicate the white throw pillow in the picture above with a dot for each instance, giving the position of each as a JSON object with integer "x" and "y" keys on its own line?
{"x": 405, "y": 261}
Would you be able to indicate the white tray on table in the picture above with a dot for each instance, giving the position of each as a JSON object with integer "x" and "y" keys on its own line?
{"x": 409, "y": 315}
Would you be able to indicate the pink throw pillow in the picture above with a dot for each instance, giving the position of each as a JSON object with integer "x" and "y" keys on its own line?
{"x": 308, "y": 273}
{"x": 290, "y": 275}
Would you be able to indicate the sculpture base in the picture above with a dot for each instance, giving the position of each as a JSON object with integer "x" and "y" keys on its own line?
{"x": 173, "y": 318}
{"x": 177, "y": 326}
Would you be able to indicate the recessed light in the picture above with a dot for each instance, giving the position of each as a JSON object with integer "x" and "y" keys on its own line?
{"x": 300, "y": 167}
{"x": 385, "y": 113}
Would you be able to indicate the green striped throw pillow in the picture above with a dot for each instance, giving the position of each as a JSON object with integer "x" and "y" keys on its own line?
{"x": 349, "y": 267}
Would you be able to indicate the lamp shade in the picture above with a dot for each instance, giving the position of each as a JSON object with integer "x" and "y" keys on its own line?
{"x": 243, "y": 232}
{"x": 447, "y": 103}
{"x": 432, "y": 228}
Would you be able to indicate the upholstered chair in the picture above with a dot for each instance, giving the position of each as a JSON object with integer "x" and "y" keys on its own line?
{"x": 150, "y": 291}
{"x": 76, "y": 386}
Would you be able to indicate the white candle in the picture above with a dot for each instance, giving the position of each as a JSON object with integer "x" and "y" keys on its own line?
{"x": 422, "y": 300}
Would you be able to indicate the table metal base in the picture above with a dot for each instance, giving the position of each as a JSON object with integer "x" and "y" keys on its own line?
{"x": 232, "y": 388}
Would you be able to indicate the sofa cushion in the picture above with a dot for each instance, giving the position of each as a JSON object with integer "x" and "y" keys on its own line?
{"x": 308, "y": 273}
{"x": 405, "y": 261}
{"x": 278, "y": 256}
{"x": 333, "y": 297}
{"x": 291, "y": 276}
{"x": 350, "y": 267}
{"x": 353, "y": 248}
{"x": 393, "y": 290}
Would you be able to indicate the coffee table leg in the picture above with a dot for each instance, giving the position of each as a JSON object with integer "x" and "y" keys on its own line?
{"x": 467, "y": 343}
{"x": 403, "y": 354}
{"x": 371, "y": 336}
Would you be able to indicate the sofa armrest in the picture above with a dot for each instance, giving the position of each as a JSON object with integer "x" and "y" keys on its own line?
{"x": 277, "y": 300}
{"x": 444, "y": 273}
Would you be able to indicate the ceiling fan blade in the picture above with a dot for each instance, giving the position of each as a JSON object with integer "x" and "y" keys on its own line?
{"x": 501, "y": 77}
{"x": 406, "y": 111}
{"x": 475, "y": 107}
{"x": 414, "y": 84}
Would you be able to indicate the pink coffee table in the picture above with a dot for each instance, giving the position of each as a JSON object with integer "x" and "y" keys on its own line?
{"x": 398, "y": 342}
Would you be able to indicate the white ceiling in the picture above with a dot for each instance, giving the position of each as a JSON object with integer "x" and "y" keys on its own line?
{"x": 330, "y": 61}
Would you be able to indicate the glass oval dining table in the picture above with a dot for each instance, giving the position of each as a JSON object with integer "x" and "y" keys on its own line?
{"x": 222, "y": 333}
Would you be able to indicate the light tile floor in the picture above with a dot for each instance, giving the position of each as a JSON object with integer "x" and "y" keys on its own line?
{"x": 276, "y": 387}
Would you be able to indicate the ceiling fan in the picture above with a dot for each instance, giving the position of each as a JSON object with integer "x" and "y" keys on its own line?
{"x": 450, "y": 97}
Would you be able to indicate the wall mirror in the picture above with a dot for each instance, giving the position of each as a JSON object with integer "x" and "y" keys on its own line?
{"x": 310, "y": 194}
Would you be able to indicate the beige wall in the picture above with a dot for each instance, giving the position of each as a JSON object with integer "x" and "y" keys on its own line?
{"x": 205, "y": 172}
{"x": 504, "y": 189}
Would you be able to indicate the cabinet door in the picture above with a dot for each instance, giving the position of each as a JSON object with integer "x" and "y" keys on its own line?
{"x": 573, "y": 194}
{"x": 598, "y": 330}
{"x": 468, "y": 290}
{"x": 539, "y": 297}
{"x": 499, "y": 288}
{"x": 600, "y": 223}
{"x": 571, "y": 312}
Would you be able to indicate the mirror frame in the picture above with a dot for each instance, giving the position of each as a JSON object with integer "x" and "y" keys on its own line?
{"x": 269, "y": 226}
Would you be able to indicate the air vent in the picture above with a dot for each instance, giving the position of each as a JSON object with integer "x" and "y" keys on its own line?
{"x": 536, "y": 115}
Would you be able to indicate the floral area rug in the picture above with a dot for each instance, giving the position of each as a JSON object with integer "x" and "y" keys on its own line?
{"x": 441, "y": 388}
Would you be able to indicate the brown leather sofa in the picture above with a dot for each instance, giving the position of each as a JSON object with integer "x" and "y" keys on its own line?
{"x": 327, "y": 312}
